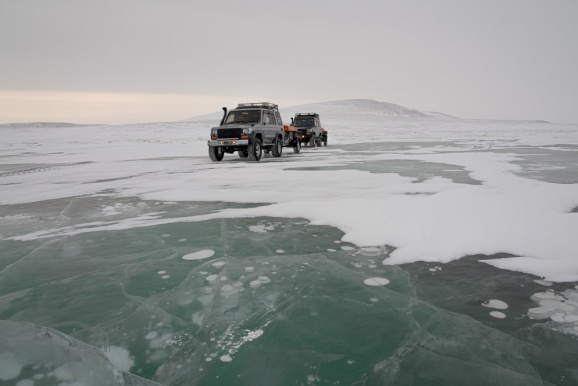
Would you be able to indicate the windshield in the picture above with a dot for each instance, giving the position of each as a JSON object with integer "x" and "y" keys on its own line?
{"x": 244, "y": 116}
{"x": 304, "y": 122}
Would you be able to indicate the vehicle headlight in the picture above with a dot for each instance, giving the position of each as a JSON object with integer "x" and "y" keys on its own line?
{"x": 213, "y": 131}
{"x": 247, "y": 130}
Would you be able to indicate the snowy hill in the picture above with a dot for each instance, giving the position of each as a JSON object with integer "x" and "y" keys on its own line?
{"x": 350, "y": 109}
{"x": 366, "y": 107}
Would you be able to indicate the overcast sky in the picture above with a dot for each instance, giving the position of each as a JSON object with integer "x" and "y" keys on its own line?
{"x": 119, "y": 61}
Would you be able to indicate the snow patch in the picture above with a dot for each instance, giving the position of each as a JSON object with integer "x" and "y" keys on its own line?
{"x": 10, "y": 367}
{"x": 118, "y": 356}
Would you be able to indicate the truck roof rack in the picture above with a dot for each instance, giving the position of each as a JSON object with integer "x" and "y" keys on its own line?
{"x": 307, "y": 114}
{"x": 258, "y": 104}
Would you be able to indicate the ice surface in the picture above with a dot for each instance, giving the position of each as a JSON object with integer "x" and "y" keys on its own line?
{"x": 311, "y": 308}
{"x": 96, "y": 222}
{"x": 30, "y": 352}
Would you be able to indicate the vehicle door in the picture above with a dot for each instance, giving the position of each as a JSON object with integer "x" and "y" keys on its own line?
{"x": 270, "y": 127}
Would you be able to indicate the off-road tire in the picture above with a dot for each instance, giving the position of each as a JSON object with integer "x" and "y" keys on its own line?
{"x": 312, "y": 141}
{"x": 318, "y": 141}
{"x": 297, "y": 146}
{"x": 324, "y": 141}
{"x": 216, "y": 153}
{"x": 243, "y": 153}
{"x": 277, "y": 148}
{"x": 255, "y": 150}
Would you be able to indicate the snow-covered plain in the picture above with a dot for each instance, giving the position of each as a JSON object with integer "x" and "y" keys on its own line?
{"x": 504, "y": 203}
{"x": 203, "y": 284}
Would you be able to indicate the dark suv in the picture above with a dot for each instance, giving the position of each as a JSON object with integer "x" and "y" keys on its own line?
{"x": 310, "y": 129}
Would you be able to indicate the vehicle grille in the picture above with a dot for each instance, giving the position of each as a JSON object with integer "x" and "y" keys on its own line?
{"x": 229, "y": 133}
{"x": 303, "y": 131}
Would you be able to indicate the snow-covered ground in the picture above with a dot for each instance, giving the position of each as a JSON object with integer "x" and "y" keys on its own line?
{"x": 509, "y": 205}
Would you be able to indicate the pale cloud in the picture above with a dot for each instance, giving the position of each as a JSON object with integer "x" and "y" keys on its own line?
{"x": 109, "y": 108}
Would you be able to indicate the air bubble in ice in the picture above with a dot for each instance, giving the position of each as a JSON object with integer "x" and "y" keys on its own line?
{"x": 498, "y": 314}
{"x": 200, "y": 255}
{"x": 227, "y": 287}
{"x": 376, "y": 281}
{"x": 494, "y": 303}
{"x": 371, "y": 251}
{"x": 264, "y": 279}
{"x": 226, "y": 358}
{"x": 257, "y": 228}
{"x": 151, "y": 335}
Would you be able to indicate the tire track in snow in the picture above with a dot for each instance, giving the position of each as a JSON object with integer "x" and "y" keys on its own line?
{"x": 41, "y": 169}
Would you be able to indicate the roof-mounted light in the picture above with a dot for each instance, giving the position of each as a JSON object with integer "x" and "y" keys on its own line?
{"x": 259, "y": 104}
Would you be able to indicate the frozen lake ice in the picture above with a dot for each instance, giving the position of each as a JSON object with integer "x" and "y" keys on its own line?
{"x": 407, "y": 248}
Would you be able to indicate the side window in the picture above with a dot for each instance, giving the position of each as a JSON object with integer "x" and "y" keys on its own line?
{"x": 278, "y": 116}
{"x": 272, "y": 118}
{"x": 266, "y": 118}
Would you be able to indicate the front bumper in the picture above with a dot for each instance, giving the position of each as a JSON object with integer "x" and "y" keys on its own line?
{"x": 228, "y": 142}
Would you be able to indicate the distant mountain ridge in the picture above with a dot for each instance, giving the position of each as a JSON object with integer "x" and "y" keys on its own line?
{"x": 49, "y": 124}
